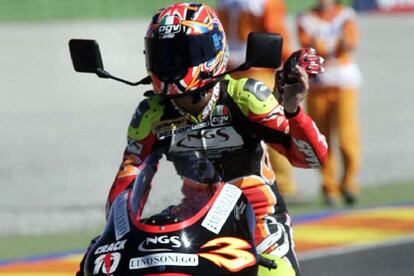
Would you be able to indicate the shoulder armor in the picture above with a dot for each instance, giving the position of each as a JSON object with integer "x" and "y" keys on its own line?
{"x": 251, "y": 95}
{"x": 148, "y": 113}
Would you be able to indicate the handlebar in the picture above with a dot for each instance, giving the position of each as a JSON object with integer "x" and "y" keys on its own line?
{"x": 268, "y": 263}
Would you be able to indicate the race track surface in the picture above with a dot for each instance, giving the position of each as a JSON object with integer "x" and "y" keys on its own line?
{"x": 376, "y": 241}
{"x": 393, "y": 258}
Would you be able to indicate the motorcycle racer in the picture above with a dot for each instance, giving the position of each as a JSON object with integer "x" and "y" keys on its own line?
{"x": 230, "y": 121}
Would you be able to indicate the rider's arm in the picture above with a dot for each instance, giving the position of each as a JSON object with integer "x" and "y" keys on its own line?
{"x": 140, "y": 144}
{"x": 294, "y": 135}
{"x": 307, "y": 147}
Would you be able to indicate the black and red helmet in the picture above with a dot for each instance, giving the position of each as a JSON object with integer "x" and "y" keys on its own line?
{"x": 185, "y": 46}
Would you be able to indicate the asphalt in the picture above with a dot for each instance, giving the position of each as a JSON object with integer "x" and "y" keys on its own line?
{"x": 394, "y": 258}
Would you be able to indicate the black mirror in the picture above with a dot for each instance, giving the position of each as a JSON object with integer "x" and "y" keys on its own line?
{"x": 86, "y": 58}
{"x": 264, "y": 50}
{"x": 85, "y": 54}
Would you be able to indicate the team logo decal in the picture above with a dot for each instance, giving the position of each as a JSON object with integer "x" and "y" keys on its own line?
{"x": 115, "y": 246}
{"x": 161, "y": 243}
{"x": 230, "y": 253}
{"x": 107, "y": 263}
{"x": 206, "y": 139}
{"x": 220, "y": 116}
{"x": 163, "y": 259}
{"x": 170, "y": 25}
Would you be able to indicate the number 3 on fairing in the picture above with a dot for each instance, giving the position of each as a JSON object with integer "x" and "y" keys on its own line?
{"x": 108, "y": 262}
{"x": 229, "y": 247}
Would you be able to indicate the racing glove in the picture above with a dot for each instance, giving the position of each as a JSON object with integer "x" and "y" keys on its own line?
{"x": 306, "y": 58}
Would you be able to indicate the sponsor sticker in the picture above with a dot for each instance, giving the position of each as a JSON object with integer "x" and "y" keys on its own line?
{"x": 115, "y": 246}
{"x": 172, "y": 259}
{"x": 307, "y": 150}
{"x": 170, "y": 25}
{"x": 160, "y": 243}
{"x": 221, "y": 208}
{"x": 121, "y": 221}
{"x": 203, "y": 139}
{"x": 107, "y": 263}
{"x": 220, "y": 116}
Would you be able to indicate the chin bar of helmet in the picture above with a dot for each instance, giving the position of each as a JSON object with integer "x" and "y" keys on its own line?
{"x": 194, "y": 92}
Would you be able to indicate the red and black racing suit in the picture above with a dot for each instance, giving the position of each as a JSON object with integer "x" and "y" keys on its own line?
{"x": 243, "y": 115}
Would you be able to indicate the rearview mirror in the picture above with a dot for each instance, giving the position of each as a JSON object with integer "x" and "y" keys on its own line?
{"x": 86, "y": 58}
{"x": 85, "y": 54}
{"x": 264, "y": 50}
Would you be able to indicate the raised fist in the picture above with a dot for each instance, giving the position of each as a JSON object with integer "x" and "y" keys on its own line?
{"x": 308, "y": 59}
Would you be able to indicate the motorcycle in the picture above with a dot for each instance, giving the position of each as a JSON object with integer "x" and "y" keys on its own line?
{"x": 208, "y": 231}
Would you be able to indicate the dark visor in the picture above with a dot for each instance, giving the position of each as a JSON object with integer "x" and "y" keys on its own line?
{"x": 169, "y": 58}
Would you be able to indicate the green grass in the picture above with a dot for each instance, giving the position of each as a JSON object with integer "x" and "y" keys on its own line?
{"x": 295, "y": 6}
{"x": 12, "y": 247}
{"x": 17, "y": 246}
{"x": 385, "y": 194}
{"x": 42, "y": 10}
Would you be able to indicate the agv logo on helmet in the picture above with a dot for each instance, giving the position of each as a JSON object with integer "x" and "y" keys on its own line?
{"x": 170, "y": 25}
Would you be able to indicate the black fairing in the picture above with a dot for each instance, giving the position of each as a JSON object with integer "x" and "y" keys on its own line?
{"x": 112, "y": 255}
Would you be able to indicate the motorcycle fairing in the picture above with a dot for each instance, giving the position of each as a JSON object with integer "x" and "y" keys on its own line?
{"x": 189, "y": 249}
{"x": 215, "y": 239}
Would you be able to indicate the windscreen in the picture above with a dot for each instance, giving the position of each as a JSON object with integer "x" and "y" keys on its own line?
{"x": 174, "y": 190}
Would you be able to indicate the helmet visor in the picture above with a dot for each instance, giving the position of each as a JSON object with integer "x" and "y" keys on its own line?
{"x": 170, "y": 58}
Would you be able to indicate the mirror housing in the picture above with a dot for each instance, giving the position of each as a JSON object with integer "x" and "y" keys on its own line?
{"x": 85, "y": 54}
{"x": 86, "y": 58}
{"x": 264, "y": 50}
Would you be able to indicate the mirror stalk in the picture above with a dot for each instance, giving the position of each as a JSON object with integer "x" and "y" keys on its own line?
{"x": 106, "y": 75}
{"x": 243, "y": 67}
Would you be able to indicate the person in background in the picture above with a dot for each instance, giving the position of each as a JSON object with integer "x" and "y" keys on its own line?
{"x": 331, "y": 29}
{"x": 239, "y": 18}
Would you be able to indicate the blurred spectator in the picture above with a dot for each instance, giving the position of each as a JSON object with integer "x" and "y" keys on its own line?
{"x": 239, "y": 18}
{"x": 331, "y": 29}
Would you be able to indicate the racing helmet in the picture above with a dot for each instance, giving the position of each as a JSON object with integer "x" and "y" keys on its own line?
{"x": 185, "y": 47}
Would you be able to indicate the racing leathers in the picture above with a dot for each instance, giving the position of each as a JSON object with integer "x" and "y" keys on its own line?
{"x": 232, "y": 131}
